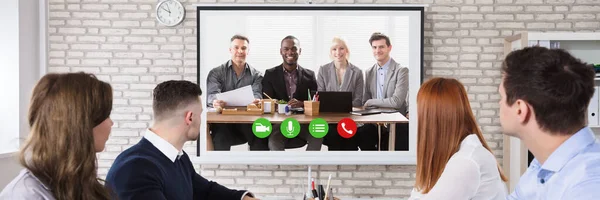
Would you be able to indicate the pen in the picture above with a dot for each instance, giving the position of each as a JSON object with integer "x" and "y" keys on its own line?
{"x": 267, "y": 96}
{"x": 314, "y": 190}
{"x": 327, "y": 191}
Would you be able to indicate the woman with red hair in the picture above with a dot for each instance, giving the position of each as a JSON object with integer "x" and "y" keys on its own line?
{"x": 453, "y": 159}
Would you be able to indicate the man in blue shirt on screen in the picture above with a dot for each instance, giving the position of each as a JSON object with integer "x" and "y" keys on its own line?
{"x": 544, "y": 98}
{"x": 386, "y": 86}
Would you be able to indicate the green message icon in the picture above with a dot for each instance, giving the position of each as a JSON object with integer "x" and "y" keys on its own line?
{"x": 262, "y": 128}
{"x": 290, "y": 128}
{"x": 318, "y": 128}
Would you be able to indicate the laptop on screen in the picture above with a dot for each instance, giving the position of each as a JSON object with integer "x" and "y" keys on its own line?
{"x": 335, "y": 102}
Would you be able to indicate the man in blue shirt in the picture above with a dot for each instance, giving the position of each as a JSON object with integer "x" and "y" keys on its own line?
{"x": 386, "y": 87}
{"x": 544, "y": 98}
{"x": 157, "y": 167}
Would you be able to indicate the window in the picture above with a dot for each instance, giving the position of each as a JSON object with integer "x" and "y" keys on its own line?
{"x": 9, "y": 78}
{"x": 314, "y": 32}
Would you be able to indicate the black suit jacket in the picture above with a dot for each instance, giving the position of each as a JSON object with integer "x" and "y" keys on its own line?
{"x": 273, "y": 83}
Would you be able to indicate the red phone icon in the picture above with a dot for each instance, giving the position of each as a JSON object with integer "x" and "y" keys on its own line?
{"x": 346, "y": 128}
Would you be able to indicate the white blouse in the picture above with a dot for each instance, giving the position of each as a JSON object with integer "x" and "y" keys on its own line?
{"x": 471, "y": 173}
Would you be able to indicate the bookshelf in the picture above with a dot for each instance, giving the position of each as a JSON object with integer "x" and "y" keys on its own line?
{"x": 583, "y": 45}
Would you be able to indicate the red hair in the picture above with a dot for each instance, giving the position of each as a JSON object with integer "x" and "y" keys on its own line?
{"x": 445, "y": 119}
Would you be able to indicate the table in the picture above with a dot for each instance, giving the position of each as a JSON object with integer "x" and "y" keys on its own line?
{"x": 391, "y": 118}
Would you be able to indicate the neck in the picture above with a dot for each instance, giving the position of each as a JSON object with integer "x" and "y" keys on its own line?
{"x": 175, "y": 135}
{"x": 290, "y": 68}
{"x": 382, "y": 62}
{"x": 340, "y": 65}
{"x": 543, "y": 144}
{"x": 238, "y": 65}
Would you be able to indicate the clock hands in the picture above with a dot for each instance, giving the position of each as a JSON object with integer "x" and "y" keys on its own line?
{"x": 166, "y": 10}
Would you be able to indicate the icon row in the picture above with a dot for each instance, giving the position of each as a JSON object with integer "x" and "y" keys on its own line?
{"x": 290, "y": 128}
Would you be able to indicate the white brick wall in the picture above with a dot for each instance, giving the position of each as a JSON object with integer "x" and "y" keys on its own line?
{"x": 120, "y": 41}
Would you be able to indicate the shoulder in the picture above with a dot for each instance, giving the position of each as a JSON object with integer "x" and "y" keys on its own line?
{"x": 473, "y": 152}
{"x": 354, "y": 67}
{"x": 585, "y": 165}
{"x": 463, "y": 160}
{"x": 272, "y": 69}
{"x": 307, "y": 71}
{"x": 253, "y": 70}
{"x": 25, "y": 186}
{"x": 372, "y": 68}
{"x": 134, "y": 168}
{"x": 326, "y": 66}
{"x": 219, "y": 69}
{"x": 398, "y": 66}
{"x": 135, "y": 160}
{"x": 415, "y": 194}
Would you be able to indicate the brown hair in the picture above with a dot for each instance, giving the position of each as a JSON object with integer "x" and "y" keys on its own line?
{"x": 168, "y": 96}
{"x": 557, "y": 85}
{"x": 445, "y": 119}
{"x": 60, "y": 150}
{"x": 379, "y": 36}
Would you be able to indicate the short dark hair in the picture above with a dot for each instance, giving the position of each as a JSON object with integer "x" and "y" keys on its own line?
{"x": 171, "y": 95}
{"x": 239, "y": 37}
{"x": 379, "y": 36}
{"x": 290, "y": 37}
{"x": 557, "y": 85}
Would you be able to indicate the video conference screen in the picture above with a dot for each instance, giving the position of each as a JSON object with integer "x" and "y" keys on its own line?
{"x": 309, "y": 83}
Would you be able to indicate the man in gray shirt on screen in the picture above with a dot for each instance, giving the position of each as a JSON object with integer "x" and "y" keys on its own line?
{"x": 386, "y": 86}
{"x": 231, "y": 75}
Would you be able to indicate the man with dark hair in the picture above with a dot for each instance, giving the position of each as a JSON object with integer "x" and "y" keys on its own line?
{"x": 386, "y": 86}
{"x": 157, "y": 167}
{"x": 231, "y": 75}
{"x": 544, "y": 98}
{"x": 291, "y": 83}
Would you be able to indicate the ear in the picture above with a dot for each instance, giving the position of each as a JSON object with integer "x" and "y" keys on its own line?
{"x": 523, "y": 111}
{"x": 189, "y": 117}
{"x": 299, "y": 51}
{"x": 390, "y": 47}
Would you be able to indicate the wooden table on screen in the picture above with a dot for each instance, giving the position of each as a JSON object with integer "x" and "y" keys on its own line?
{"x": 391, "y": 118}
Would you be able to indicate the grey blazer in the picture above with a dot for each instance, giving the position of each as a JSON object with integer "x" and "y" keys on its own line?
{"x": 353, "y": 81}
{"x": 395, "y": 88}
{"x": 26, "y": 186}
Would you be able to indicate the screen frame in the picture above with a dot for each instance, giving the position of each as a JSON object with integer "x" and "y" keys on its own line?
{"x": 331, "y": 157}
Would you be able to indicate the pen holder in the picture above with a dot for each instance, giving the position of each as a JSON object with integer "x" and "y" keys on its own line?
{"x": 311, "y": 108}
{"x": 281, "y": 108}
{"x": 268, "y": 106}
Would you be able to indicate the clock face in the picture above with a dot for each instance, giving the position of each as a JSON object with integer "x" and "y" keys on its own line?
{"x": 170, "y": 12}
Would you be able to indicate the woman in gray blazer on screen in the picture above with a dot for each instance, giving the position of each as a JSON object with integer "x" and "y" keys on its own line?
{"x": 341, "y": 75}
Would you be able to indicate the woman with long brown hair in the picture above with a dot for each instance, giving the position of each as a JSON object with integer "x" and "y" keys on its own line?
{"x": 453, "y": 159}
{"x": 69, "y": 123}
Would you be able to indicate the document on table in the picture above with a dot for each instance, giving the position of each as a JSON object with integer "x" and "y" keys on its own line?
{"x": 238, "y": 97}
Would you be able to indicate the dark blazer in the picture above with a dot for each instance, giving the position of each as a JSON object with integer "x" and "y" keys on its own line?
{"x": 144, "y": 172}
{"x": 273, "y": 83}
